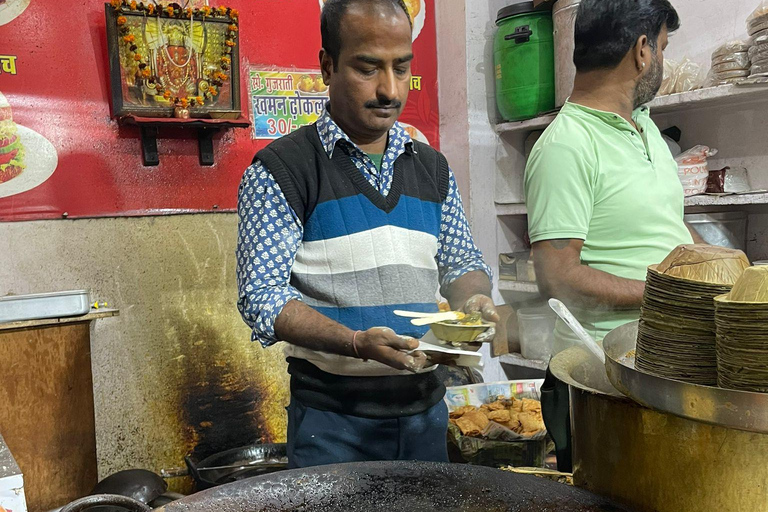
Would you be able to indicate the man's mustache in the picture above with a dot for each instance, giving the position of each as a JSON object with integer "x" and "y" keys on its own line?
{"x": 377, "y": 104}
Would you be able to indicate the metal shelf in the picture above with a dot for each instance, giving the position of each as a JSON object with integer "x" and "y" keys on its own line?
{"x": 537, "y": 123}
{"x": 511, "y": 209}
{"x": 732, "y": 200}
{"x": 518, "y": 286}
{"x": 518, "y": 360}
{"x": 693, "y": 201}
{"x": 725, "y": 95}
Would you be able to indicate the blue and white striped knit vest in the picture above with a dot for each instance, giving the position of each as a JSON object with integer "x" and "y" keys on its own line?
{"x": 363, "y": 255}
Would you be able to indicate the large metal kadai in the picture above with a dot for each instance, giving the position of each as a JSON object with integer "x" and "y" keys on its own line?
{"x": 683, "y": 450}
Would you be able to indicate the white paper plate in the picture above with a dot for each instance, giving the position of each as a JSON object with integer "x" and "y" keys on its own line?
{"x": 418, "y": 23}
{"x": 11, "y": 9}
{"x": 40, "y": 160}
{"x": 416, "y": 133}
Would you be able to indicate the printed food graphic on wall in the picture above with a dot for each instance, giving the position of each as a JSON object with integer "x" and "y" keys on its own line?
{"x": 417, "y": 11}
{"x": 11, "y": 9}
{"x": 415, "y": 133}
{"x": 27, "y": 158}
{"x": 311, "y": 84}
{"x": 11, "y": 148}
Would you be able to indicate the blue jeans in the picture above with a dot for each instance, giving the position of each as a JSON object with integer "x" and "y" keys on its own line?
{"x": 316, "y": 437}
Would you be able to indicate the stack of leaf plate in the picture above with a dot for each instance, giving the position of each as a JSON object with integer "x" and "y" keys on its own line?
{"x": 676, "y": 336}
{"x": 742, "y": 333}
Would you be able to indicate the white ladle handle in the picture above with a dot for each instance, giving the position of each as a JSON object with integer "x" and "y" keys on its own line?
{"x": 578, "y": 329}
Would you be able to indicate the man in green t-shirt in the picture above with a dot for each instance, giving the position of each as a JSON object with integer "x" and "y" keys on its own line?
{"x": 603, "y": 196}
{"x": 604, "y": 200}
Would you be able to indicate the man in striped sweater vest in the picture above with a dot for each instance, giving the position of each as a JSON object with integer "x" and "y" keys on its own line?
{"x": 341, "y": 223}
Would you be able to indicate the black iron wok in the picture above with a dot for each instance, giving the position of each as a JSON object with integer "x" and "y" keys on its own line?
{"x": 238, "y": 464}
{"x": 394, "y": 486}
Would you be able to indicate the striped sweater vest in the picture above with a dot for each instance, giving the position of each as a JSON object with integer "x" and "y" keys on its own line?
{"x": 363, "y": 255}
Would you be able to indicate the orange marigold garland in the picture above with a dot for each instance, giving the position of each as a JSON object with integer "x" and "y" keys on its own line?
{"x": 217, "y": 78}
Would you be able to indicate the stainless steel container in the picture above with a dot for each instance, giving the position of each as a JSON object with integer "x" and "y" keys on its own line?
{"x": 44, "y": 305}
{"x": 657, "y": 461}
{"x": 564, "y": 19}
{"x": 726, "y": 229}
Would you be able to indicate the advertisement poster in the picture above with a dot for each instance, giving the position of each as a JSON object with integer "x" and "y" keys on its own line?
{"x": 64, "y": 155}
{"x": 284, "y": 101}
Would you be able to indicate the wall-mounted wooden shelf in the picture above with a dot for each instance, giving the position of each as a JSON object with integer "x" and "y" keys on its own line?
{"x": 204, "y": 129}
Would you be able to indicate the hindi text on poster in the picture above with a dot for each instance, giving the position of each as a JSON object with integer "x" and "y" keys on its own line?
{"x": 284, "y": 101}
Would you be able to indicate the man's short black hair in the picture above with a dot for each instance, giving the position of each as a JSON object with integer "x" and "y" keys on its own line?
{"x": 607, "y": 29}
{"x": 330, "y": 22}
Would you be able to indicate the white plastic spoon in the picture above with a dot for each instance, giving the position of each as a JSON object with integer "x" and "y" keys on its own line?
{"x": 411, "y": 314}
{"x": 437, "y": 317}
{"x": 578, "y": 329}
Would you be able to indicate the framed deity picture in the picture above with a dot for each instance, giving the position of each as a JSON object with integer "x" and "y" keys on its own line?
{"x": 163, "y": 56}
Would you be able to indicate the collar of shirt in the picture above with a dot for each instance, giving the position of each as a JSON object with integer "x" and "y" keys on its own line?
{"x": 331, "y": 134}
{"x": 640, "y": 115}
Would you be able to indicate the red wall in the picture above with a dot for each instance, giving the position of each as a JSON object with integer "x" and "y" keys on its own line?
{"x": 61, "y": 91}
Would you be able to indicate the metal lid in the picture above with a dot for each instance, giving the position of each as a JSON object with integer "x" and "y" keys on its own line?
{"x": 518, "y": 8}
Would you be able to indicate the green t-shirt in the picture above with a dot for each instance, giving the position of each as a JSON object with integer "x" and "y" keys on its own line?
{"x": 376, "y": 159}
{"x": 592, "y": 176}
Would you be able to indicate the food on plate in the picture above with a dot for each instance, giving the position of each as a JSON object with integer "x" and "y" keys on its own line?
{"x": 414, "y": 8}
{"x": 477, "y": 417}
{"x": 11, "y": 148}
{"x": 468, "y": 427}
{"x": 475, "y": 318}
{"x": 458, "y": 413}
{"x": 306, "y": 84}
{"x": 412, "y": 132}
{"x": 320, "y": 84}
{"x": 495, "y": 406}
{"x": 531, "y": 405}
{"x": 500, "y": 416}
{"x": 517, "y": 406}
{"x": 530, "y": 422}
{"x": 521, "y": 416}
{"x": 464, "y": 319}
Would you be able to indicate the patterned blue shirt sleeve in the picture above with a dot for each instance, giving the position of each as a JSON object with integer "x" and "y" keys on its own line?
{"x": 457, "y": 253}
{"x": 269, "y": 234}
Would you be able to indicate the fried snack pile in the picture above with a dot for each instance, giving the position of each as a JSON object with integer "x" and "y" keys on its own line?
{"x": 521, "y": 416}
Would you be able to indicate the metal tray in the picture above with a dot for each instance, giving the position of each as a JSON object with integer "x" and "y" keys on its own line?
{"x": 38, "y": 306}
{"x": 728, "y": 408}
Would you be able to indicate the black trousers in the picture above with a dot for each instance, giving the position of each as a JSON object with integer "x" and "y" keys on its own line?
{"x": 555, "y": 407}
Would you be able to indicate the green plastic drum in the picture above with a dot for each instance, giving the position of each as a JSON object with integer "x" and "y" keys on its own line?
{"x": 524, "y": 59}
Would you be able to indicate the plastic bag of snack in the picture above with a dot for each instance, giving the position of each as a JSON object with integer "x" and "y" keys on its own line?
{"x": 760, "y": 58}
{"x": 689, "y": 76}
{"x": 730, "y": 48}
{"x": 716, "y": 181}
{"x": 692, "y": 169}
{"x": 759, "y": 69}
{"x": 725, "y": 75}
{"x": 730, "y": 66}
{"x": 758, "y": 20}
{"x": 736, "y": 60}
{"x": 759, "y": 38}
{"x": 730, "y": 81}
{"x": 758, "y": 50}
{"x": 737, "y": 181}
{"x": 668, "y": 82}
